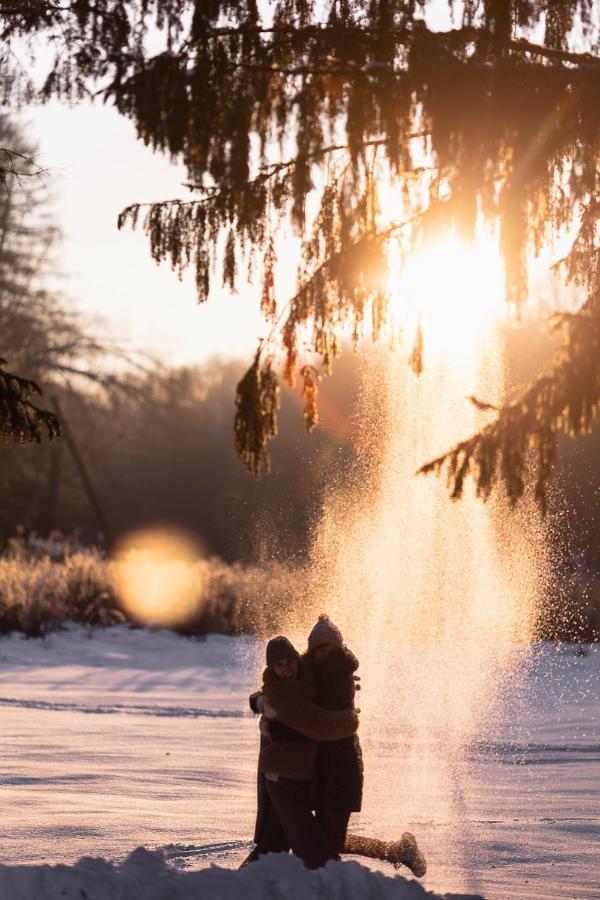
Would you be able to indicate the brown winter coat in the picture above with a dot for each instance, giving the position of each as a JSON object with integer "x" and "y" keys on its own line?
{"x": 291, "y": 700}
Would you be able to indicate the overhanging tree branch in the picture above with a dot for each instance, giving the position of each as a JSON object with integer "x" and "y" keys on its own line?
{"x": 524, "y": 434}
{"x": 513, "y": 138}
{"x": 20, "y": 419}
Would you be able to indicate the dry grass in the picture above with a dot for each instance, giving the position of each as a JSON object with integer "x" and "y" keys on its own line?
{"x": 39, "y": 594}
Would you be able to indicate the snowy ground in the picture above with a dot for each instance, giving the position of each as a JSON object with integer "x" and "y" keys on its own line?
{"x": 123, "y": 738}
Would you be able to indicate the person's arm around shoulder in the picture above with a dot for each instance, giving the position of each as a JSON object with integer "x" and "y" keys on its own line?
{"x": 313, "y": 721}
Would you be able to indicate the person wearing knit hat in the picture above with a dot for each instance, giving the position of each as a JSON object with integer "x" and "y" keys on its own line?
{"x": 330, "y": 665}
{"x": 283, "y": 660}
{"x": 294, "y": 728}
{"x": 324, "y": 633}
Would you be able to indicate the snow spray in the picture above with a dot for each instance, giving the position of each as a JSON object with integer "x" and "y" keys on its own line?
{"x": 437, "y": 598}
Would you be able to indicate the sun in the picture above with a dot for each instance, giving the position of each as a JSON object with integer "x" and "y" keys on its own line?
{"x": 453, "y": 292}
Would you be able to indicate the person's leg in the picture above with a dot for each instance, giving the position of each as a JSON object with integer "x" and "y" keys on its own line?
{"x": 252, "y": 857}
{"x": 405, "y": 852}
{"x": 291, "y": 801}
{"x": 273, "y": 838}
{"x": 269, "y": 836}
{"x": 360, "y": 845}
{"x": 334, "y": 823}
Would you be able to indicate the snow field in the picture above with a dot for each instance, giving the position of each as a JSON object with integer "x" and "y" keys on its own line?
{"x": 121, "y": 738}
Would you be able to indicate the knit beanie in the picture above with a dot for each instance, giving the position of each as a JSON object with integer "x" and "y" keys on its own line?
{"x": 325, "y": 632}
{"x": 280, "y": 648}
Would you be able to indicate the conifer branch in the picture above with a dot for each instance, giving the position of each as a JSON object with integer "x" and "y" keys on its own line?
{"x": 20, "y": 419}
{"x": 253, "y": 431}
{"x": 524, "y": 434}
{"x": 29, "y": 168}
{"x": 583, "y": 60}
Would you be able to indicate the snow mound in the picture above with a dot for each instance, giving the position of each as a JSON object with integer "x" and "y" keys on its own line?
{"x": 146, "y": 875}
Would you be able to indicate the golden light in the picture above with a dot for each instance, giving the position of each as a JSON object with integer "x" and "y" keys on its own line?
{"x": 158, "y": 576}
{"x": 454, "y": 292}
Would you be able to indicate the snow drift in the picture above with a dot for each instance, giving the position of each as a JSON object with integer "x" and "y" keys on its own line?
{"x": 146, "y": 874}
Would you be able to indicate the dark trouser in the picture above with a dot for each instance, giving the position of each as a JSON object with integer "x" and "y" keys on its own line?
{"x": 269, "y": 835}
{"x": 334, "y": 823}
{"x": 290, "y": 798}
{"x": 272, "y": 838}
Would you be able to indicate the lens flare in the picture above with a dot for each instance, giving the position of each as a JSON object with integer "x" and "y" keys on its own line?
{"x": 158, "y": 576}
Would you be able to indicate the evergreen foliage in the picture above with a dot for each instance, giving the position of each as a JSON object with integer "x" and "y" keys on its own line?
{"x": 304, "y": 113}
{"x": 24, "y": 242}
{"x": 20, "y": 419}
{"x": 566, "y": 400}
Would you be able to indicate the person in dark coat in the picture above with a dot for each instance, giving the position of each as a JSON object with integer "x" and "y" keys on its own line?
{"x": 339, "y": 772}
{"x": 291, "y": 727}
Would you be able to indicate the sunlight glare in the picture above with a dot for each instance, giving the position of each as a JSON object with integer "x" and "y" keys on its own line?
{"x": 455, "y": 292}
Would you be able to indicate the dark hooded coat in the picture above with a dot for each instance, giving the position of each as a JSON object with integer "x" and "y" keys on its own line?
{"x": 339, "y": 763}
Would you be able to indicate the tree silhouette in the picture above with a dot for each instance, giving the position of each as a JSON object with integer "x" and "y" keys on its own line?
{"x": 20, "y": 419}
{"x": 302, "y": 112}
{"x": 24, "y": 241}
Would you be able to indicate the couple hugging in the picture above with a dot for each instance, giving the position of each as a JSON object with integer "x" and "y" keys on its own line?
{"x": 310, "y": 768}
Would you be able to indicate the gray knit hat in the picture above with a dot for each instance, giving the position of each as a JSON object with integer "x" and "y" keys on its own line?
{"x": 325, "y": 632}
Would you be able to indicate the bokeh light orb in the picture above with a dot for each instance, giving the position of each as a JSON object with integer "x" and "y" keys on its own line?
{"x": 158, "y": 576}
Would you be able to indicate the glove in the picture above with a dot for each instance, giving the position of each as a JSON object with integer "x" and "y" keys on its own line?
{"x": 253, "y": 701}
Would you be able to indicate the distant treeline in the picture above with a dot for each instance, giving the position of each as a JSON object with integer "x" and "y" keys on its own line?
{"x": 45, "y": 585}
{"x": 159, "y": 448}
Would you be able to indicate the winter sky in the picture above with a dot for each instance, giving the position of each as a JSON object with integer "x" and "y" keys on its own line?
{"x": 97, "y": 166}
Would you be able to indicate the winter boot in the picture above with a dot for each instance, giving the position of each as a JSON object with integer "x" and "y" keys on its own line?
{"x": 252, "y": 857}
{"x": 359, "y": 845}
{"x": 405, "y": 852}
